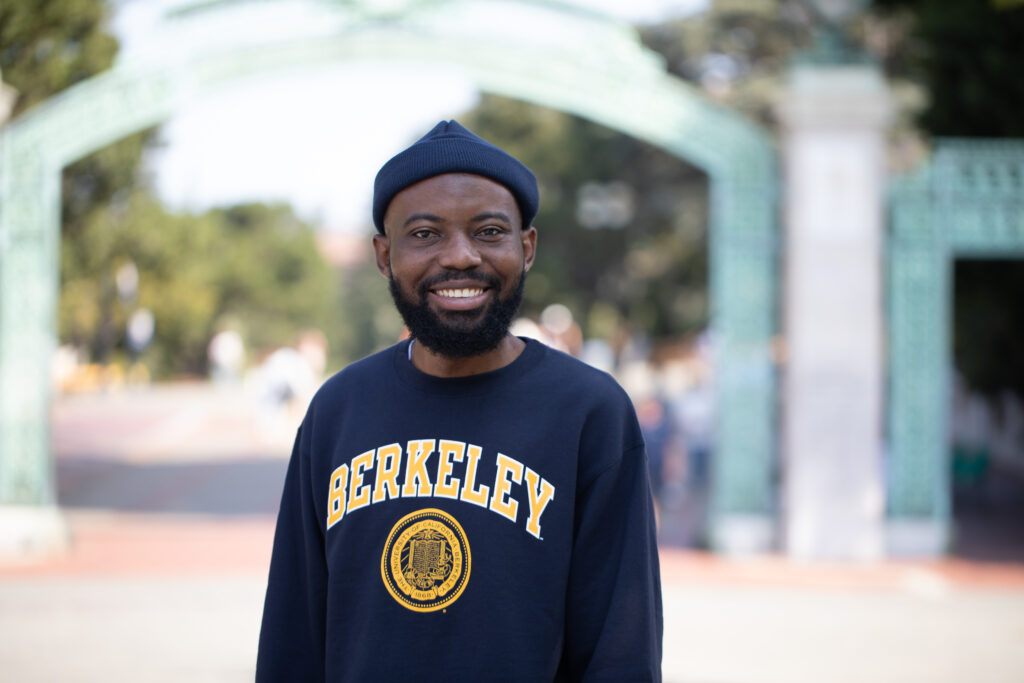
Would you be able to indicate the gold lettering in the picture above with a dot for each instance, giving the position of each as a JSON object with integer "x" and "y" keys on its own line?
{"x": 445, "y": 485}
{"x": 389, "y": 460}
{"x": 541, "y": 493}
{"x": 336, "y": 498}
{"x": 417, "y": 481}
{"x": 471, "y": 494}
{"x": 359, "y": 493}
{"x": 501, "y": 502}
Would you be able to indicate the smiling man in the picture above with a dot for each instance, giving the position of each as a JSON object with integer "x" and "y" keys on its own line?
{"x": 466, "y": 505}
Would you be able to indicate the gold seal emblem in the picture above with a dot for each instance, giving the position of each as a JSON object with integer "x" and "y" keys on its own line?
{"x": 426, "y": 560}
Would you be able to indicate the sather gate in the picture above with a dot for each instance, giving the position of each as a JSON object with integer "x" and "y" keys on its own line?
{"x": 550, "y": 54}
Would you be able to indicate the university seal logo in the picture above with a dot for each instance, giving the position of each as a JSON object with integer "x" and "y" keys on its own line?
{"x": 426, "y": 561}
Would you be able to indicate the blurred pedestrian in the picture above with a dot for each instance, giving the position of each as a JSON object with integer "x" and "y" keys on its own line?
{"x": 695, "y": 416}
{"x": 226, "y": 353}
{"x": 655, "y": 421}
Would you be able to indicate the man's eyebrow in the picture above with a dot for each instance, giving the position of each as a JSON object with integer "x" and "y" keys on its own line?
{"x": 423, "y": 216}
{"x": 490, "y": 215}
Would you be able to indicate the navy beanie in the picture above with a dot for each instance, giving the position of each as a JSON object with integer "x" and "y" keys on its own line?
{"x": 451, "y": 148}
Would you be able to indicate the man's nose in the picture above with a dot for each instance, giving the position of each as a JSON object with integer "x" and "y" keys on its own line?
{"x": 460, "y": 252}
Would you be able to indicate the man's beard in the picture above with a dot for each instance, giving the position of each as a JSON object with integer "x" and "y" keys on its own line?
{"x": 458, "y": 337}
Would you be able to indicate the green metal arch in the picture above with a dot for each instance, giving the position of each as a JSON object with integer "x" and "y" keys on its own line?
{"x": 542, "y": 52}
{"x": 968, "y": 201}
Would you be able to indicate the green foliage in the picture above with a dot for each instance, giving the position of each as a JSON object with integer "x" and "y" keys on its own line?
{"x": 735, "y": 52}
{"x": 49, "y": 45}
{"x": 46, "y": 47}
{"x": 968, "y": 55}
{"x": 652, "y": 272}
{"x": 365, "y": 318}
{"x": 254, "y": 266}
{"x": 269, "y": 273}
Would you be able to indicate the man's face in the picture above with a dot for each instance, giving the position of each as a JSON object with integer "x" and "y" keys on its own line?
{"x": 456, "y": 257}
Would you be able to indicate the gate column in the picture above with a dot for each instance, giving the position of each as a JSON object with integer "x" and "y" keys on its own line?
{"x": 29, "y": 518}
{"x": 834, "y": 118}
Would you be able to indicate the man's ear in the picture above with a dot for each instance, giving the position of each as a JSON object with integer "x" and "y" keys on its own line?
{"x": 381, "y": 250}
{"x": 529, "y": 237}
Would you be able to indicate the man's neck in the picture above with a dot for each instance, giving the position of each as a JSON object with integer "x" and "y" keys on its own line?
{"x": 425, "y": 360}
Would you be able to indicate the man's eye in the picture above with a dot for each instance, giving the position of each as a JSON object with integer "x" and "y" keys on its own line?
{"x": 422, "y": 233}
{"x": 490, "y": 231}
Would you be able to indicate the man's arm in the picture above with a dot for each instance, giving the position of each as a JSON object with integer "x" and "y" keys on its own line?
{"x": 614, "y": 619}
{"x": 291, "y": 646}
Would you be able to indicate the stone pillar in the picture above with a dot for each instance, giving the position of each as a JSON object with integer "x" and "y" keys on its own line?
{"x": 833, "y": 119}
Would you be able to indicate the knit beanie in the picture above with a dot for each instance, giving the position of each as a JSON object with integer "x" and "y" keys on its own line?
{"x": 451, "y": 148}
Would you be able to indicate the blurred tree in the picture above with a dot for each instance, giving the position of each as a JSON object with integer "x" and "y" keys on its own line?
{"x": 48, "y": 45}
{"x": 650, "y": 271}
{"x": 622, "y": 225}
{"x": 736, "y": 52}
{"x": 364, "y": 319}
{"x": 256, "y": 266}
{"x": 45, "y": 47}
{"x": 268, "y": 273}
{"x": 968, "y": 55}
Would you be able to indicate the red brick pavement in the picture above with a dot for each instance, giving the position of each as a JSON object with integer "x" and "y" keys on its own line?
{"x": 126, "y": 544}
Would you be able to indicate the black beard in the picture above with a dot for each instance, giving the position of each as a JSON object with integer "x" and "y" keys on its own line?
{"x": 462, "y": 338}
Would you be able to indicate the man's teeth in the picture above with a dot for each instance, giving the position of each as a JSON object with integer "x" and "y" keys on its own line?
{"x": 459, "y": 293}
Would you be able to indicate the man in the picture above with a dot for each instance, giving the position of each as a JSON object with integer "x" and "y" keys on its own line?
{"x": 465, "y": 505}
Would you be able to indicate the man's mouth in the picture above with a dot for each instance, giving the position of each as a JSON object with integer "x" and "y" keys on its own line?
{"x": 463, "y": 293}
{"x": 454, "y": 298}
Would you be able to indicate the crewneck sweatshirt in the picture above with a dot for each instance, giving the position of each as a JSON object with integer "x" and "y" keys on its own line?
{"x": 496, "y": 527}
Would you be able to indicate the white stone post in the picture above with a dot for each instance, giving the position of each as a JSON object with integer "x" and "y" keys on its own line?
{"x": 833, "y": 119}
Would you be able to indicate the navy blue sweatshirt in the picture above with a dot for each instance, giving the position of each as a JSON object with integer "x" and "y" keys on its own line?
{"x": 497, "y": 527}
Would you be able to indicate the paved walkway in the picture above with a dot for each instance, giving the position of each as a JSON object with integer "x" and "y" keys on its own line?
{"x": 165, "y": 577}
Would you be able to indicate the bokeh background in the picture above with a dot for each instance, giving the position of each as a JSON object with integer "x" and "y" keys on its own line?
{"x": 215, "y": 269}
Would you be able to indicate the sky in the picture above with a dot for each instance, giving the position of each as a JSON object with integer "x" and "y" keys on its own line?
{"x": 315, "y": 141}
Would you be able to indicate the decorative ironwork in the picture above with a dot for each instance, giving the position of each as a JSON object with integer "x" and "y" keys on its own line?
{"x": 968, "y": 201}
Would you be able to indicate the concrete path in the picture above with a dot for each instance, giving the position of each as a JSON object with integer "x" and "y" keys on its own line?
{"x": 164, "y": 580}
